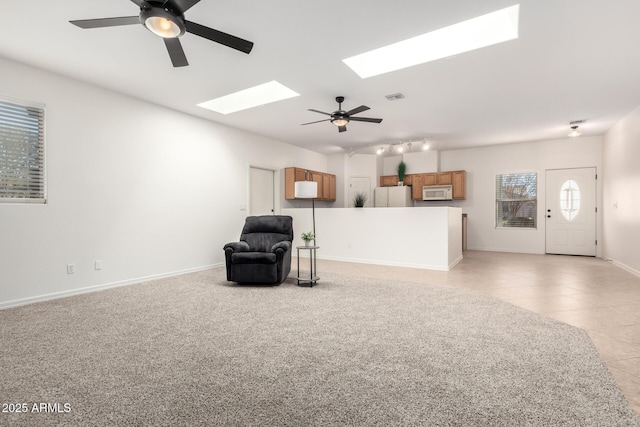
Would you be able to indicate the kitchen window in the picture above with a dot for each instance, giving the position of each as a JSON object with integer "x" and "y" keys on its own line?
{"x": 516, "y": 200}
{"x": 22, "y": 174}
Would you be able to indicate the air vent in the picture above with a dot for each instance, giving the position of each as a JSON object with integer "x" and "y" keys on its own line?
{"x": 395, "y": 96}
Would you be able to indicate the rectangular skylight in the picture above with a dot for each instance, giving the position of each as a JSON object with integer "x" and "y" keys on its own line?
{"x": 248, "y": 98}
{"x": 475, "y": 33}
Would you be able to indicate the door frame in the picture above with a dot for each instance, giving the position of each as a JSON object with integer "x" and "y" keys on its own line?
{"x": 349, "y": 198}
{"x": 276, "y": 187}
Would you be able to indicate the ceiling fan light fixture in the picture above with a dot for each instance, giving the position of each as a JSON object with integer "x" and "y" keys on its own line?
{"x": 162, "y": 22}
{"x": 340, "y": 121}
{"x": 574, "y": 132}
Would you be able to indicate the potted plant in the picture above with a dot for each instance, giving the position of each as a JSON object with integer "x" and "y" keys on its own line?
{"x": 402, "y": 169}
{"x": 308, "y": 237}
{"x": 359, "y": 199}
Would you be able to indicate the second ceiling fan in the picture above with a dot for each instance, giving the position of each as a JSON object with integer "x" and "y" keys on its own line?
{"x": 340, "y": 117}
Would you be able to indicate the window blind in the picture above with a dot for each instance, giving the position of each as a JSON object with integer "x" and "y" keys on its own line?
{"x": 22, "y": 175}
{"x": 516, "y": 200}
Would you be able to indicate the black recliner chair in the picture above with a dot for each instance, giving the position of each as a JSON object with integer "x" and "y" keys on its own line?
{"x": 263, "y": 254}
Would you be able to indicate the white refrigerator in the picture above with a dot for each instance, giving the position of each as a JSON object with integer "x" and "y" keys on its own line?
{"x": 392, "y": 197}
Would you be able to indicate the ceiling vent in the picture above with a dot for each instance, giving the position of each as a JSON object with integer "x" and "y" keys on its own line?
{"x": 395, "y": 96}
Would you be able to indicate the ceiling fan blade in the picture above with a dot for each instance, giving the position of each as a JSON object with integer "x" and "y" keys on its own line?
{"x": 176, "y": 53}
{"x": 357, "y": 110}
{"x": 310, "y": 123}
{"x": 318, "y": 111}
{"x": 342, "y": 128}
{"x": 364, "y": 119}
{"x": 106, "y": 22}
{"x": 181, "y": 5}
{"x": 139, "y": 3}
{"x": 219, "y": 37}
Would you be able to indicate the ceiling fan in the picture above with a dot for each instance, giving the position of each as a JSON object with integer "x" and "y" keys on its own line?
{"x": 340, "y": 117}
{"x": 165, "y": 18}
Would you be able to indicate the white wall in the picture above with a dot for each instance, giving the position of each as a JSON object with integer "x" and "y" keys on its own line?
{"x": 421, "y": 161}
{"x": 346, "y": 167}
{"x": 147, "y": 190}
{"x": 621, "y": 204}
{"x": 390, "y": 165}
{"x": 482, "y": 165}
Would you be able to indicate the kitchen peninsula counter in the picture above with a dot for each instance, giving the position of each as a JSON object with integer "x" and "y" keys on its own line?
{"x": 417, "y": 237}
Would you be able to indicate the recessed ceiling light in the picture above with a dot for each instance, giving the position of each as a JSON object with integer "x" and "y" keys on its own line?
{"x": 249, "y": 98}
{"x": 475, "y": 33}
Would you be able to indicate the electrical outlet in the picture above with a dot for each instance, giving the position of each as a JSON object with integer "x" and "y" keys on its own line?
{"x": 71, "y": 268}
{"x": 98, "y": 264}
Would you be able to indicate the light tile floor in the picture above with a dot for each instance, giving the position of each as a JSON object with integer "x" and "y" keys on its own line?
{"x": 589, "y": 293}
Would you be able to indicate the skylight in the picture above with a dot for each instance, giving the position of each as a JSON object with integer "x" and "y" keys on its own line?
{"x": 475, "y": 33}
{"x": 248, "y": 98}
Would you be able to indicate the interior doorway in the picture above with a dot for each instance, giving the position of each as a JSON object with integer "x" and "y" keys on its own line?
{"x": 359, "y": 185}
{"x": 261, "y": 191}
{"x": 570, "y": 211}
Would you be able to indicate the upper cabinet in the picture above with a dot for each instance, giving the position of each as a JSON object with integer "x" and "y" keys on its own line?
{"x": 459, "y": 182}
{"x": 388, "y": 181}
{"x": 326, "y": 183}
{"x": 457, "y": 179}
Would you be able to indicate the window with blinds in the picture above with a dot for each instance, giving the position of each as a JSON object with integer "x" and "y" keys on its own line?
{"x": 22, "y": 177}
{"x": 516, "y": 200}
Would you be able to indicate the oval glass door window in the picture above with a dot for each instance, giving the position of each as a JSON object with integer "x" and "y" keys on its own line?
{"x": 570, "y": 200}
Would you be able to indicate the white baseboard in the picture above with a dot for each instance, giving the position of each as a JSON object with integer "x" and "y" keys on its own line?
{"x": 456, "y": 261}
{"x": 391, "y": 264}
{"x": 101, "y": 287}
{"x": 624, "y": 267}
{"x": 505, "y": 250}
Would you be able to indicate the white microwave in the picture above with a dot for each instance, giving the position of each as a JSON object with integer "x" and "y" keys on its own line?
{"x": 437, "y": 192}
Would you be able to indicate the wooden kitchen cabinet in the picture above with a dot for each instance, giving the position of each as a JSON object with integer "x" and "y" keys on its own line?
{"x": 328, "y": 187}
{"x": 389, "y": 181}
{"x": 443, "y": 178}
{"x": 326, "y": 183}
{"x": 416, "y": 187}
{"x": 317, "y": 177}
{"x": 429, "y": 179}
{"x": 457, "y": 179}
{"x": 459, "y": 182}
{"x": 393, "y": 180}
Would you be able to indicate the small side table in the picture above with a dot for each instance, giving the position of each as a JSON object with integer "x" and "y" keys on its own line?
{"x": 313, "y": 278}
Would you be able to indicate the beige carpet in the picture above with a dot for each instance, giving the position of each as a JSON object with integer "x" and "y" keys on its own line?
{"x": 196, "y": 350}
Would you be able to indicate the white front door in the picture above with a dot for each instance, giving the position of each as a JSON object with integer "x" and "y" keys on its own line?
{"x": 570, "y": 211}
{"x": 261, "y": 191}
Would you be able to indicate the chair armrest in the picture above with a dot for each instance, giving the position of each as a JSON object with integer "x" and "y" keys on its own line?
{"x": 237, "y": 246}
{"x": 284, "y": 246}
